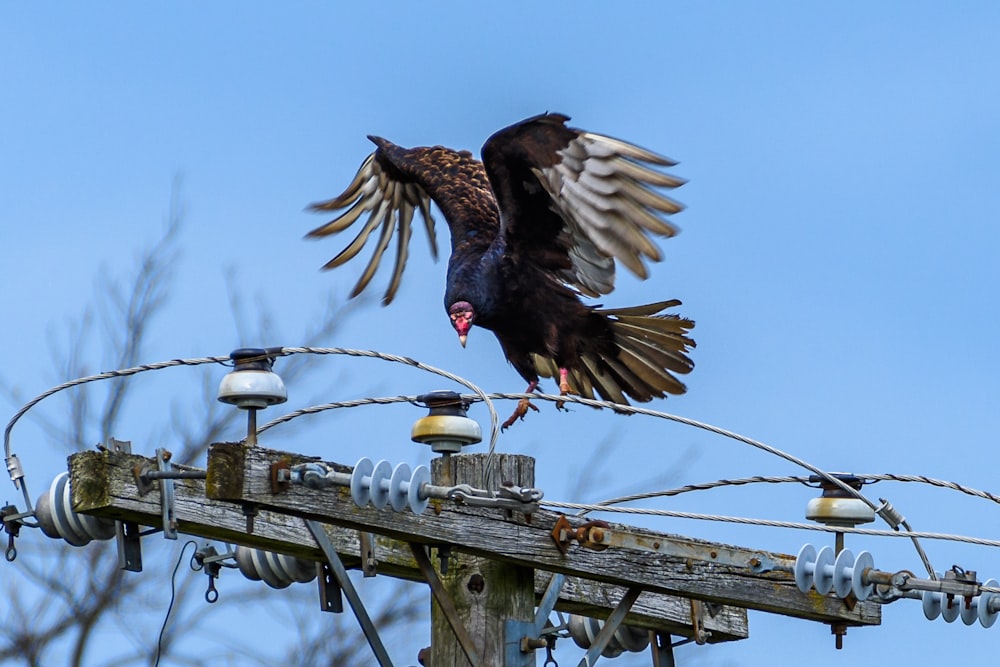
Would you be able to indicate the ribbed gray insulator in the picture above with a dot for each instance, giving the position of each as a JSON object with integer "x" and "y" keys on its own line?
{"x": 57, "y": 519}
{"x": 275, "y": 570}
{"x": 584, "y": 629}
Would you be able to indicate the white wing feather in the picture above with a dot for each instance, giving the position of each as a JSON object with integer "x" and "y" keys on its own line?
{"x": 391, "y": 205}
{"x": 609, "y": 199}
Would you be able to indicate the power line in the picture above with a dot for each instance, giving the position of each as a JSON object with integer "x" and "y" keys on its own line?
{"x": 480, "y": 395}
{"x": 767, "y": 522}
{"x": 878, "y": 477}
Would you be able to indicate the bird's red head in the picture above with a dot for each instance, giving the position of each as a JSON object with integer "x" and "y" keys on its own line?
{"x": 463, "y": 315}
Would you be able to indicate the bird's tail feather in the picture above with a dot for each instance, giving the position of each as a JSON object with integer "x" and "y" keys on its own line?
{"x": 650, "y": 348}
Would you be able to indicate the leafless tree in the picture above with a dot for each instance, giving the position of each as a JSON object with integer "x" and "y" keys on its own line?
{"x": 62, "y": 602}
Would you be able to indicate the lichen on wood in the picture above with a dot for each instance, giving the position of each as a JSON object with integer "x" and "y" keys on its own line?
{"x": 89, "y": 472}
{"x": 226, "y": 470}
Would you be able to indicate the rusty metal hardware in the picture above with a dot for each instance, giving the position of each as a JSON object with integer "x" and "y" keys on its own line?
{"x": 699, "y": 633}
{"x": 281, "y": 479}
{"x": 589, "y": 535}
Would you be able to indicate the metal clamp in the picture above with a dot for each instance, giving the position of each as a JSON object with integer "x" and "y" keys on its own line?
{"x": 511, "y": 498}
{"x": 13, "y": 528}
{"x": 208, "y": 559}
{"x": 166, "y": 475}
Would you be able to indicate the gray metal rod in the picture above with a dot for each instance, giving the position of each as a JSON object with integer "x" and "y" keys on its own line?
{"x": 548, "y": 601}
{"x": 447, "y": 605}
{"x": 339, "y": 571}
{"x": 610, "y": 627}
{"x": 150, "y": 475}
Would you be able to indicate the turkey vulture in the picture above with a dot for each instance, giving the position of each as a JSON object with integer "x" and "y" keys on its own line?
{"x": 534, "y": 226}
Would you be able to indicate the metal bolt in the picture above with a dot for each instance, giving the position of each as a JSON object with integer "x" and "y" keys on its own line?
{"x": 529, "y": 644}
{"x": 444, "y": 554}
{"x": 838, "y": 630}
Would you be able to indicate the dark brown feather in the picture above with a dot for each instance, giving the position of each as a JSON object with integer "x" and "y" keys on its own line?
{"x": 543, "y": 219}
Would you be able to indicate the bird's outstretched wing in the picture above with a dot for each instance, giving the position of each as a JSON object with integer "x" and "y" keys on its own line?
{"x": 390, "y": 200}
{"x": 574, "y": 201}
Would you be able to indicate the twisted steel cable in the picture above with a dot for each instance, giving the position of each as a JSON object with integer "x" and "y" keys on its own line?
{"x": 480, "y": 395}
{"x": 768, "y": 522}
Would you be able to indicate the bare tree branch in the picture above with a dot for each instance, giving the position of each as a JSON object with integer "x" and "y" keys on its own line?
{"x": 62, "y": 599}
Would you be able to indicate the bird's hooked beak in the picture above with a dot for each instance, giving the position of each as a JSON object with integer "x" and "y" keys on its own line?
{"x": 462, "y": 317}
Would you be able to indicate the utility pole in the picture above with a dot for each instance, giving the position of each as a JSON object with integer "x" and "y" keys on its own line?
{"x": 485, "y": 593}
{"x": 667, "y": 584}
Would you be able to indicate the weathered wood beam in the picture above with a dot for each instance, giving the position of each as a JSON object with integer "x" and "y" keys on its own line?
{"x": 103, "y": 484}
{"x": 243, "y": 474}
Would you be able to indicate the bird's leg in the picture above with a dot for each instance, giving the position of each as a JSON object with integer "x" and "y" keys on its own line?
{"x": 564, "y": 388}
{"x": 522, "y": 407}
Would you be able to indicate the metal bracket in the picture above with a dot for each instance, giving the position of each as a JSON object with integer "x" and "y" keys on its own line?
{"x": 522, "y": 638}
{"x": 519, "y": 644}
{"x": 166, "y": 495}
{"x": 127, "y": 537}
{"x": 119, "y": 446}
{"x": 331, "y": 598}
{"x": 369, "y": 563}
{"x": 165, "y": 474}
{"x": 599, "y": 535}
{"x": 698, "y": 631}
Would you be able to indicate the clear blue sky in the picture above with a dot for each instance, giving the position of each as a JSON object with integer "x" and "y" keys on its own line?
{"x": 838, "y": 251}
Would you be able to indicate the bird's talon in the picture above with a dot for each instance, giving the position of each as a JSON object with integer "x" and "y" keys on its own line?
{"x": 564, "y": 390}
{"x": 522, "y": 409}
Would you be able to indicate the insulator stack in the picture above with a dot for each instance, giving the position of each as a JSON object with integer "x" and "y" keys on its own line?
{"x": 844, "y": 574}
{"x": 57, "y": 519}
{"x": 982, "y": 608}
{"x": 275, "y": 570}
{"x": 584, "y": 629}
{"x": 380, "y": 484}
